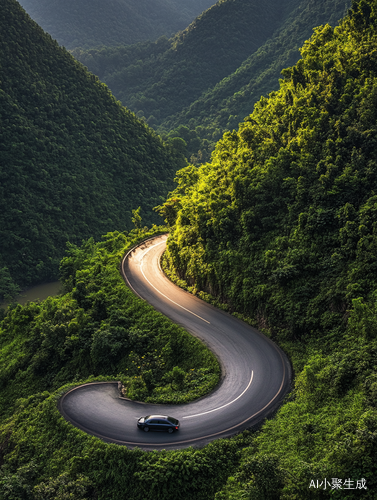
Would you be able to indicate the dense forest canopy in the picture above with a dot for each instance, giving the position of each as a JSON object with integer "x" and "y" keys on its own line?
{"x": 281, "y": 226}
{"x": 73, "y": 161}
{"x": 98, "y": 330}
{"x": 209, "y": 77}
{"x": 92, "y": 23}
{"x": 281, "y": 222}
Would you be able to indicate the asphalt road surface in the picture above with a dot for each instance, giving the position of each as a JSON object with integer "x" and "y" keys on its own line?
{"x": 256, "y": 373}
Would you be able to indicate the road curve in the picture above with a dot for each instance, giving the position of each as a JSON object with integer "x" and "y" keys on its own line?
{"x": 256, "y": 373}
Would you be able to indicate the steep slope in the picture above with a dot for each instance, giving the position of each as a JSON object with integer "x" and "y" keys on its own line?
{"x": 209, "y": 77}
{"x": 88, "y": 23}
{"x": 73, "y": 161}
{"x": 159, "y": 80}
{"x": 288, "y": 199}
{"x": 281, "y": 226}
{"x": 224, "y": 106}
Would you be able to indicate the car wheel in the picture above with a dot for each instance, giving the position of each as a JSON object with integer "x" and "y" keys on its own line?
{"x": 146, "y": 429}
{"x": 170, "y": 430}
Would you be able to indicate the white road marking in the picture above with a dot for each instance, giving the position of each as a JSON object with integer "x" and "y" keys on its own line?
{"x": 231, "y": 402}
{"x": 157, "y": 290}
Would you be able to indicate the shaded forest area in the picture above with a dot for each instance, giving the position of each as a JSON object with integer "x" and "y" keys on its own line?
{"x": 206, "y": 79}
{"x": 162, "y": 77}
{"x": 94, "y": 23}
{"x": 73, "y": 161}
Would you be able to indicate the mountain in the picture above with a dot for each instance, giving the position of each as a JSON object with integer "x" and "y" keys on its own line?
{"x": 209, "y": 77}
{"x": 92, "y": 23}
{"x": 162, "y": 77}
{"x": 281, "y": 227}
{"x": 225, "y": 105}
{"x": 287, "y": 203}
{"x": 73, "y": 161}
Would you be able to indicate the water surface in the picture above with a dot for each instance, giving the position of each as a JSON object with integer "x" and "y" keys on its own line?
{"x": 39, "y": 292}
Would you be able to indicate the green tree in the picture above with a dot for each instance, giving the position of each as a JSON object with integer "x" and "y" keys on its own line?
{"x": 64, "y": 487}
{"x": 136, "y": 218}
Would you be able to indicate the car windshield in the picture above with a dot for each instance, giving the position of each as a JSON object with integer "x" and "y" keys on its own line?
{"x": 173, "y": 420}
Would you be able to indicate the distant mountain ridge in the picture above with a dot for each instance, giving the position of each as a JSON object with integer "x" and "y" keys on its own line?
{"x": 226, "y": 104}
{"x": 209, "y": 76}
{"x": 93, "y": 23}
{"x": 160, "y": 78}
{"x": 73, "y": 162}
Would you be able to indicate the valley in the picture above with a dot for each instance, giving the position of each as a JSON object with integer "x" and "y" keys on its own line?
{"x": 259, "y": 164}
{"x": 206, "y": 79}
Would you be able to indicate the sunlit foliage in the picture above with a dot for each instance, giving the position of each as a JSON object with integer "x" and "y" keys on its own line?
{"x": 280, "y": 227}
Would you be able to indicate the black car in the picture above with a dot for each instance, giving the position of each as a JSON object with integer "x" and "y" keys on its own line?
{"x": 158, "y": 423}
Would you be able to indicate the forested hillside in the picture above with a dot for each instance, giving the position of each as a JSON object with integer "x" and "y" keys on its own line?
{"x": 281, "y": 227}
{"x": 209, "y": 77}
{"x": 92, "y": 23}
{"x": 161, "y": 78}
{"x": 73, "y": 161}
{"x": 225, "y": 105}
{"x": 98, "y": 330}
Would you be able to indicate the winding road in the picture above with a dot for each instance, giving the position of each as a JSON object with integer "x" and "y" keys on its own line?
{"x": 256, "y": 373}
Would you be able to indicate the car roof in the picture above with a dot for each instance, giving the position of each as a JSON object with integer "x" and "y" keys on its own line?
{"x": 156, "y": 416}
